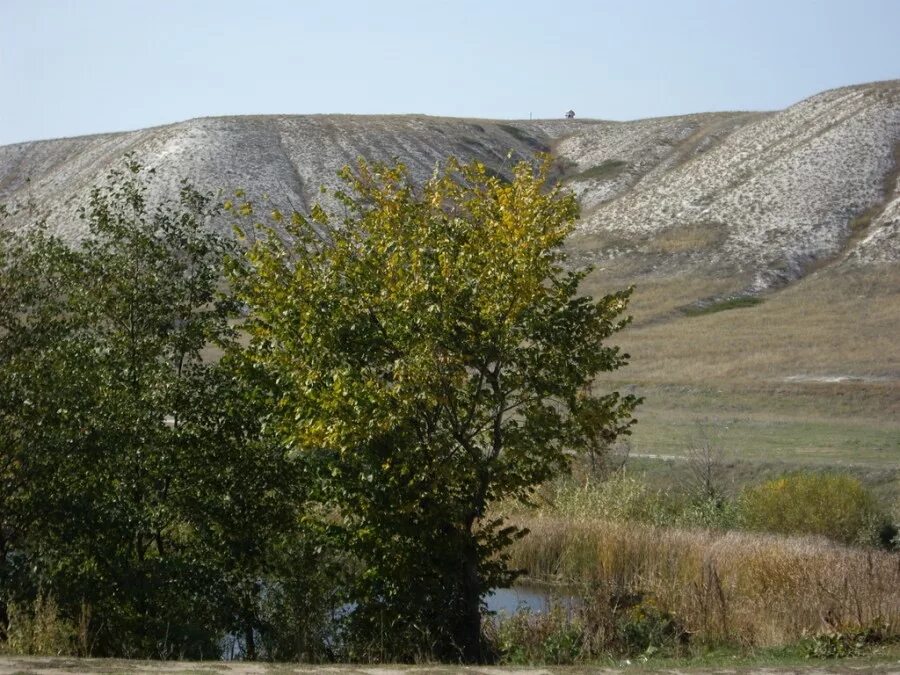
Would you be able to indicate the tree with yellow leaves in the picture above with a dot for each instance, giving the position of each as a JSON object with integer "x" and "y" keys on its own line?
{"x": 433, "y": 356}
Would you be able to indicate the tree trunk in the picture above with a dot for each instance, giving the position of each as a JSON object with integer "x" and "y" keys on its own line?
{"x": 4, "y": 612}
{"x": 468, "y": 633}
{"x": 251, "y": 642}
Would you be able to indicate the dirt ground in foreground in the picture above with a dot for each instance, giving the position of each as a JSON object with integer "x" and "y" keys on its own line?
{"x": 71, "y": 666}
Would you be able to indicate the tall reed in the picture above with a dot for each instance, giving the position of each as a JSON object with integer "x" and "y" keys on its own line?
{"x": 749, "y": 589}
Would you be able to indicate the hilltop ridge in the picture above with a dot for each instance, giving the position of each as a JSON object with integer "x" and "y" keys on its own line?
{"x": 762, "y": 196}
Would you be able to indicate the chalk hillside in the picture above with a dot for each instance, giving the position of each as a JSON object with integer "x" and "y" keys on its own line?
{"x": 760, "y": 196}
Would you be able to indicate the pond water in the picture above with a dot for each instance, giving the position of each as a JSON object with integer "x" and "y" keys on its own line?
{"x": 533, "y": 598}
{"x": 500, "y": 601}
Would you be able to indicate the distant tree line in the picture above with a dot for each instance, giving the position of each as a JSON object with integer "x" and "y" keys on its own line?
{"x": 294, "y": 440}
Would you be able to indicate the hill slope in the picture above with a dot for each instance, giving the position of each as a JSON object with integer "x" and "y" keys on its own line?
{"x": 798, "y": 210}
{"x": 762, "y": 194}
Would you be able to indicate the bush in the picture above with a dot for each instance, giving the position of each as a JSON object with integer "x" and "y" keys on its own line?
{"x": 836, "y": 506}
{"x": 619, "y": 498}
{"x": 712, "y": 513}
{"x": 848, "y": 641}
{"x": 601, "y": 624}
{"x": 645, "y": 627}
{"x": 623, "y": 498}
{"x": 527, "y": 637}
{"x": 894, "y": 543}
{"x": 40, "y": 630}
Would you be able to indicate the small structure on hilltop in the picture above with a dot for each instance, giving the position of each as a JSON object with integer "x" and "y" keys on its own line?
{"x": 570, "y": 115}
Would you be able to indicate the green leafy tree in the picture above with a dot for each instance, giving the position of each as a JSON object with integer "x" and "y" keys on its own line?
{"x": 246, "y": 506}
{"x": 103, "y": 347}
{"x": 33, "y": 326}
{"x": 433, "y": 357}
{"x": 137, "y": 479}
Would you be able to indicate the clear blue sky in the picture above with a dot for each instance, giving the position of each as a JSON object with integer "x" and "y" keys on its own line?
{"x": 75, "y": 67}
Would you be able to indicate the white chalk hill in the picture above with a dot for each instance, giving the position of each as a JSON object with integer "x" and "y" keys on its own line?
{"x": 760, "y": 197}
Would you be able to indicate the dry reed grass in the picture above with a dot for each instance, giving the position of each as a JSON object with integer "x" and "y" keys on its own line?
{"x": 754, "y": 590}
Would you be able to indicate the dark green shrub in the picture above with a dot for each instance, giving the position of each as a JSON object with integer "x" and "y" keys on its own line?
{"x": 713, "y": 513}
{"x": 604, "y": 171}
{"x": 646, "y": 627}
{"x": 739, "y": 302}
{"x": 888, "y": 536}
